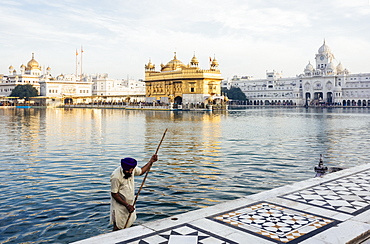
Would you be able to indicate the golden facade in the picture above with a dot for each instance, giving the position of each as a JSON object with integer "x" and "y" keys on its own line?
{"x": 180, "y": 83}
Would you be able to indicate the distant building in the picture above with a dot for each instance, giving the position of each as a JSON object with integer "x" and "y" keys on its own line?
{"x": 44, "y": 82}
{"x": 104, "y": 86}
{"x": 325, "y": 83}
{"x": 26, "y": 75}
{"x": 65, "y": 85}
{"x": 179, "y": 83}
{"x": 71, "y": 88}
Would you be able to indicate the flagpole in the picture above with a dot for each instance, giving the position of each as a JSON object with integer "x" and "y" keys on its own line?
{"x": 76, "y": 63}
{"x": 81, "y": 62}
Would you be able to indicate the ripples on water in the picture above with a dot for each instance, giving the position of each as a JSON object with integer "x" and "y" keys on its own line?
{"x": 56, "y": 163}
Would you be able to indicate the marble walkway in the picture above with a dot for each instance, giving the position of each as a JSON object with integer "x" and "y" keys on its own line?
{"x": 331, "y": 209}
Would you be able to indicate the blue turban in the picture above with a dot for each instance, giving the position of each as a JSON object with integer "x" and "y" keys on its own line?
{"x": 128, "y": 163}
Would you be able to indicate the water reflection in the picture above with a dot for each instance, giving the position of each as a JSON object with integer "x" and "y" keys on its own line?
{"x": 57, "y": 162}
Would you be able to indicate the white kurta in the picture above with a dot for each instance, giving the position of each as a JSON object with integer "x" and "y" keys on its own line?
{"x": 126, "y": 187}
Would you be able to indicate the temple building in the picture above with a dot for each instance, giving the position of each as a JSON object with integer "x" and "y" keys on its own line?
{"x": 326, "y": 82}
{"x": 27, "y": 75}
{"x": 183, "y": 84}
{"x": 44, "y": 82}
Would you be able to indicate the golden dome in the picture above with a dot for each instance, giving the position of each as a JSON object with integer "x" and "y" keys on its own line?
{"x": 150, "y": 65}
{"x": 48, "y": 68}
{"x": 174, "y": 64}
{"x": 11, "y": 67}
{"x": 32, "y": 63}
{"x": 214, "y": 62}
{"x": 194, "y": 61}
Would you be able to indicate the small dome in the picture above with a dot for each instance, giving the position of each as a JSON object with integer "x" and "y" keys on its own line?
{"x": 194, "y": 61}
{"x": 48, "y": 68}
{"x": 150, "y": 65}
{"x": 309, "y": 67}
{"x": 331, "y": 66}
{"x": 23, "y": 66}
{"x": 11, "y": 67}
{"x": 340, "y": 67}
{"x": 214, "y": 62}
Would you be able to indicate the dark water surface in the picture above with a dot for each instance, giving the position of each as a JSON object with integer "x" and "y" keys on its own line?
{"x": 56, "y": 163}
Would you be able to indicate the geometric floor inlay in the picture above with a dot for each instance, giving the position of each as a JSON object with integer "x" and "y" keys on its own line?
{"x": 275, "y": 223}
{"x": 180, "y": 234}
{"x": 350, "y": 195}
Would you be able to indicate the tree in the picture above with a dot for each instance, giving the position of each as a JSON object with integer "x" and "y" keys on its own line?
{"x": 24, "y": 91}
{"x": 235, "y": 93}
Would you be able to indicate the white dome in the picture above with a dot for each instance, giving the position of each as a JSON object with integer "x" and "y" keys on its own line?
{"x": 340, "y": 67}
{"x": 324, "y": 49}
{"x": 309, "y": 67}
{"x": 331, "y": 66}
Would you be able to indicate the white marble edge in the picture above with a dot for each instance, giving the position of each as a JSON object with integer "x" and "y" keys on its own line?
{"x": 342, "y": 233}
{"x": 117, "y": 236}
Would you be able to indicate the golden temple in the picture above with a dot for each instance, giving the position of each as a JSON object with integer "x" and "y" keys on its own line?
{"x": 183, "y": 84}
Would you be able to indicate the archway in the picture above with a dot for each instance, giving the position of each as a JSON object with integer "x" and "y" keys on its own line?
{"x": 178, "y": 100}
{"x": 68, "y": 101}
{"x": 329, "y": 99}
{"x": 308, "y": 98}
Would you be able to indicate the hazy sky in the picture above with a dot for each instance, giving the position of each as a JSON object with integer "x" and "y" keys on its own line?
{"x": 247, "y": 37}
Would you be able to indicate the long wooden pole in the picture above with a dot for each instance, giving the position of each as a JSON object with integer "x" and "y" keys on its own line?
{"x": 146, "y": 175}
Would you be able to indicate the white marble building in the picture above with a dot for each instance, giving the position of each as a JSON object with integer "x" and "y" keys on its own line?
{"x": 68, "y": 86}
{"x": 104, "y": 86}
{"x": 44, "y": 82}
{"x": 326, "y": 82}
{"x": 27, "y": 75}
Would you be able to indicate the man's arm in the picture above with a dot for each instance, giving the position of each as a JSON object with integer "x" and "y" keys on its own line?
{"x": 121, "y": 199}
{"x": 147, "y": 166}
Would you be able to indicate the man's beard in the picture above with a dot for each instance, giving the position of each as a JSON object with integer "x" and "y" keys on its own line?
{"x": 127, "y": 175}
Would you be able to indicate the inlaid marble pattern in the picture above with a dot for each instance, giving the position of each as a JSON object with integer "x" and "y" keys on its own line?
{"x": 274, "y": 222}
{"x": 350, "y": 195}
{"x": 181, "y": 234}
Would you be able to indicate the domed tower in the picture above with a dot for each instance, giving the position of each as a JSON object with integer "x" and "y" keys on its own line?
{"x": 150, "y": 66}
{"x": 32, "y": 64}
{"x": 323, "y": 57}
{"x": 214, "y": 64}
{"x": 48, "y": 70}
{"x": 33, "y": 67}
{"x": 23, "y": 69}
{"x": 194, "y": 61}
{"x": 11, "y": 69}
{"x": 309, "y": 69}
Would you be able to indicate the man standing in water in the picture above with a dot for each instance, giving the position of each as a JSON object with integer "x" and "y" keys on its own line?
{"x": 123, "y": 191}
